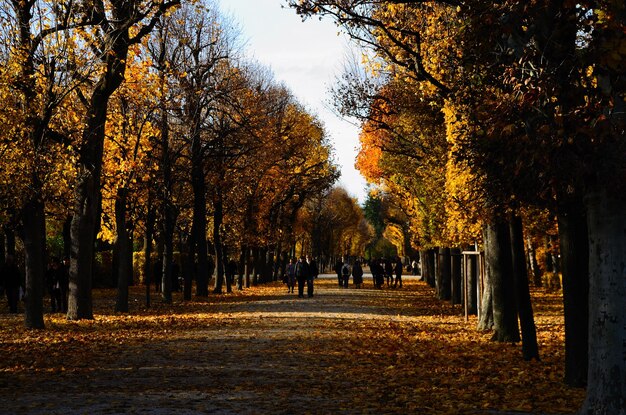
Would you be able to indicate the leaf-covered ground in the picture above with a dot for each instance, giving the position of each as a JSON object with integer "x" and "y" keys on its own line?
{"x": 262, "y": 351}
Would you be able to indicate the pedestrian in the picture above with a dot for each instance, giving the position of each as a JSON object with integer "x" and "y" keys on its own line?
{"x": 337, "y": 269}
{"x": 388, "y": 271}
{"x": 398, "y": 270}
{"x": 10, "y": 279}
{"x": 290, "y": 275}
{"x": 53, "y": 284}
{"x": 414, "y": 267}
{"x": 378, "y": 273}
{"x": 345, "y": 274}
{"x": 311, "y": 276}
{"x": 357, "y": 274}
{"x": 302, "y": 273}
{"x": 231, "y": 270}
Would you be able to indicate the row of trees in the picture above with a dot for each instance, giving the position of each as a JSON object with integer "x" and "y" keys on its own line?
{"x": 477, "y": 114}
{"x": 129, "y": 119}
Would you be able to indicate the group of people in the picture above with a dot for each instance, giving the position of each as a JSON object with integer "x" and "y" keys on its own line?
{"x": 302, "y": 272}
{"x": 56, "y": 281}
{"x": 343, "y": 270}
{"x": 385, "y": 269}
{"x": 10, "y": 282}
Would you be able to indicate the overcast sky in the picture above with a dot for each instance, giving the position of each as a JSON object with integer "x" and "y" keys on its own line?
{"x": 306, "y": 56}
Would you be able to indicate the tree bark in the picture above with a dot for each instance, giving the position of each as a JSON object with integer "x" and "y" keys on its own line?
{"x": 499, "y": 265}
{"x": 573, "y": 235}
{"x": 34, "y": 231}
{"x": 199, "y": 227}
{"x": 218, "y": 217}
{"x": 169, "y": 225}
{"x": 87, "y": 190}
{"x": 472, "y": 284}
{"x": 606, "y": 385}
{"x": 444, "y": 275}
{"x": 457, "y": 276}
{"x": 530, "y": 349}
{"x": 535, "y": 271}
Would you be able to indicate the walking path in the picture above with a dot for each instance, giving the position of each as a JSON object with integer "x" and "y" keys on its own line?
{"x": 263, "y": 351}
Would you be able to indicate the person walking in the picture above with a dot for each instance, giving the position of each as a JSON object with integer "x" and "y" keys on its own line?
{"x": 398, "y": 271}
{"x": 302, "y": 273}
{"x": 357, "y": 274}
{"x": 345, "y": 274}
{"x": 310, "y": 279}
{"x": 337, "y": 269}
{"x": 53, "y": 284}
{"x": 290, "y": 275}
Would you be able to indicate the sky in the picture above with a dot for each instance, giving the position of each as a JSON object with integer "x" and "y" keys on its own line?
{"x": 307, "y": 57}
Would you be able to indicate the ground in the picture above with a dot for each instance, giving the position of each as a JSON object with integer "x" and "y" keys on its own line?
{"x": 264, "y": 351}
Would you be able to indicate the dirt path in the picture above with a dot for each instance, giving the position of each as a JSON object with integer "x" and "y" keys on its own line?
{"x": 344, "y": 351}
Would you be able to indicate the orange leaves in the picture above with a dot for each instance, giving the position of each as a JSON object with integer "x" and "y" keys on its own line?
{"x": 368, "y": 351}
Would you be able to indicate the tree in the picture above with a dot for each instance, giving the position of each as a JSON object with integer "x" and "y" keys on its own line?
{"x": 119, "y": 25}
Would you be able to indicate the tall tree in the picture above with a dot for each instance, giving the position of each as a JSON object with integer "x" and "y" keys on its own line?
{"x": 120, "y": 24}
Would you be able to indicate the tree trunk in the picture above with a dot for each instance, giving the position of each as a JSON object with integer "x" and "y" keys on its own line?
{"x": 530, "y": 349}
{"x": 67, "y": 237}
{"x": 444, "y": 275}
{"x": 187, "y": 268}
{"x": 34, "y": 236}
{"x": 472, "y": 284}
{"x": 147, "y": 249}
{"x": 532, "y": 261}
{"x": 169, "y": 225}
{"x": 457, "y": 276}
{"x": 499, "y": 265}
{"x": 122, "y": 247}
{"x": 606, "y": 385}
{"x": 574, "y": 242}
{"x": 486, "y": 319}
{"x": 87, "y": 189}
{"x": 199, "y": 227}
{"x": 218, "y": 217}
{"x": 9, "y": 233}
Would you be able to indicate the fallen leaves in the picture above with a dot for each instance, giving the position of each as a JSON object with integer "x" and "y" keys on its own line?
{"x": 261, "y": 350}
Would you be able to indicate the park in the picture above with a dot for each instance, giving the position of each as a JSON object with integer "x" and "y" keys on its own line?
{"x": 158, "y": 183}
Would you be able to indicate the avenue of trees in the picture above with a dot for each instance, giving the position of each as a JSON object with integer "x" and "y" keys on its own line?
{"x": 485, "y": 120}
{"x": 129, "y": 123}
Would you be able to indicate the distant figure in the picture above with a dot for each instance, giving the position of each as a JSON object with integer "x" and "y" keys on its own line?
{"x": 10, "y": 279}
{"x": 53, "y": 284}
{"x": 302, "y": 273}
{"x": 357, "y": 274}
{"x": 231, "y": 270}
{"x": 398, "y": 270}
{"x": 388, "y": 271}
{"x": 414, "y": 267}
{"x": 311, "y": 276}
{"x": 337, "y": 269}
{"x": 378, "y": 273}
{"x": 290, "y": 275}
{"x": 345, "y": 274}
